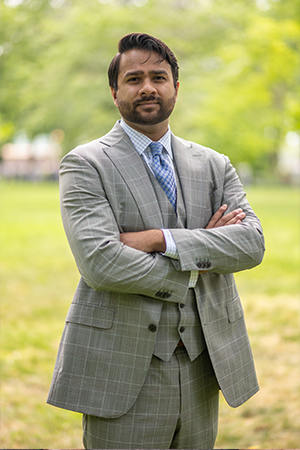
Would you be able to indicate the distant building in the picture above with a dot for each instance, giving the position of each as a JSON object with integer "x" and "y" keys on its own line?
{"x": 36, "y": 160}
{"x": 289, "y": 159}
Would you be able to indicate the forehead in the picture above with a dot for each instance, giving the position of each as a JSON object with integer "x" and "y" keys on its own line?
{"x": 142, "y": 60}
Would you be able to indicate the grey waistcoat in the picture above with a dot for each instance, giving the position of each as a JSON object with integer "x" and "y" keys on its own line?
{"x": 177, "y": 321}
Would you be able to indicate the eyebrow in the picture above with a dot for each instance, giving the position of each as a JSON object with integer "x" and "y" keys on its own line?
{"x": 141, "y": 72}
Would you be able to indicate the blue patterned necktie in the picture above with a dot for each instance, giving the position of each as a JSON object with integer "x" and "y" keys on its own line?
{"x": 163, "y": 172}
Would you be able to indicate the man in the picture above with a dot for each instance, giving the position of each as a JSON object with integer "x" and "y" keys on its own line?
{"x": 157, "y": 226}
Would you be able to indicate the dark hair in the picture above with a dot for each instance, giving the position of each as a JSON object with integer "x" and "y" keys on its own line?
{"x": 141, "y": 41}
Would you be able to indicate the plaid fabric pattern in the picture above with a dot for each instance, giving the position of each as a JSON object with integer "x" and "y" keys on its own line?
{"x": 171, "y": 250}
{"x": 141, "y": 143}
{"x": 163, "y": 172}
{"x": 176, "y": 408}
{"x": 108, "y": 340}
{"x": 161, "y": 166}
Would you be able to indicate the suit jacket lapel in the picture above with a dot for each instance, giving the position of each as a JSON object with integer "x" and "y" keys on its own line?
{"x": 193, "y": 173}
{"x": 192, "y": 166}
{"x": 120, "y": 150}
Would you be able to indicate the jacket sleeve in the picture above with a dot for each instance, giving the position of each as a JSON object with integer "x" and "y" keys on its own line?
{"x": 93, "y": 234}
{"x": 225, "y": 249}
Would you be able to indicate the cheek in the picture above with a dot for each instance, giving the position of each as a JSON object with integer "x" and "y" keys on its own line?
{"x": 168, "y": 93}
{"x": 118, "y": 98}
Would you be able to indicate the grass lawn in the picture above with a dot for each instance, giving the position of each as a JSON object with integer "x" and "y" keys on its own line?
{"x": 38, "y": 279}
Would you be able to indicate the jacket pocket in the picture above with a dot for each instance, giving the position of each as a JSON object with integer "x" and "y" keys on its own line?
{"x": 234, "y": 310}
{"x": 93, "y": 316}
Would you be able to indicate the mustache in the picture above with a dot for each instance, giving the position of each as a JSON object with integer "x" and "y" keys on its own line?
{"x": 151, "y": 98}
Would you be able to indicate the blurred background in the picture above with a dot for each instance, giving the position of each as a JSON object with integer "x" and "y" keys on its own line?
{"x": 239, "y": 94}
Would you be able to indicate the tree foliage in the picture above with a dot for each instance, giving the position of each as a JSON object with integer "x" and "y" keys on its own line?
{"x": 238, "y": 69}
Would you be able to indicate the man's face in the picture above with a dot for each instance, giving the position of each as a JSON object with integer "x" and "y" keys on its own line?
{"x": 146, "y": 95}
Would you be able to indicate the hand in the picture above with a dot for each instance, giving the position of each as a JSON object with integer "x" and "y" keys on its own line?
{"x": 232, "y": 218}
{"x": 219, "y": 220}
{"x": 150, "y": 241}
{"x": 147, "y": 241}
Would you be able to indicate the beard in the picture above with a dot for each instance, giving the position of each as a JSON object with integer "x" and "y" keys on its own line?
{"x": 130, "y": 112}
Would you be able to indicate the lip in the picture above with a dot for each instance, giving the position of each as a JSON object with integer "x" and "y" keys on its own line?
{"x": 149, "y": 104}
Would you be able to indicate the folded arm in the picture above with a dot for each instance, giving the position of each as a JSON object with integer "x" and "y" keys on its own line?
{"x": 104, "y": 262}
{"x": 230, "y": 248}
{"x": 154, "y": 240}
{"x": 232, "y": 240}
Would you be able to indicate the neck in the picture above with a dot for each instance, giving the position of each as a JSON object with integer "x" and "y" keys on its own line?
{"x": 153, "y": 132}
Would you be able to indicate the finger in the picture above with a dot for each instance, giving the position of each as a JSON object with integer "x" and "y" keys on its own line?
{"x": 216, "y": 217}
{"x": 236, "y": 219}
{"x": 231, "y": 218}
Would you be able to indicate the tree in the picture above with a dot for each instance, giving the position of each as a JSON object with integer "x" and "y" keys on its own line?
{"x": 238, "y": 69}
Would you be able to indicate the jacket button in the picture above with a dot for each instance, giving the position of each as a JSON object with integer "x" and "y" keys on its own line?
{"x": 199, "y": 265}
{"x": 161, "y": 294}
{"x": 182, "y": 305}
{"x": 181, "y": 329}
{"x": 152, "y": 328}
{"x": 209, "y": 264}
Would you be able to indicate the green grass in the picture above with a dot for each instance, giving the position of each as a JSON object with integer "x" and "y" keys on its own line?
{"x": 38, "y": 279}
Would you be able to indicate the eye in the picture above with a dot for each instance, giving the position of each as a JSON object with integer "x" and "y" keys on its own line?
{"x": 132, "y": 80}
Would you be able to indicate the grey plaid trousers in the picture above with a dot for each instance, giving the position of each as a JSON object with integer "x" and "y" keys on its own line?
{"x": 177, "y": 408}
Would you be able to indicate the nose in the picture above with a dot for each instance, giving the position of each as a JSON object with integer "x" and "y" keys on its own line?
{"x": 147, "y": 88}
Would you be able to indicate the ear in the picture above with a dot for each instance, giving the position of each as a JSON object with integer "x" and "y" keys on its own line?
{"x": 114, "y": 95}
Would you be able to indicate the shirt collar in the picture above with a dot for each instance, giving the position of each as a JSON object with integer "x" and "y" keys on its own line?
{"x": 141, "y": 141}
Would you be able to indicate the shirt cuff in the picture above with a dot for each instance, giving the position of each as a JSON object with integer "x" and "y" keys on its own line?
{"x": 193, "y": 278}
{"x": 171, "y": 248}
{"x": 171, "y": 252}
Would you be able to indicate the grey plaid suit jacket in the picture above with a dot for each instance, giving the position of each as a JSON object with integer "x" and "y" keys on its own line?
{"x": 110, "y": 330}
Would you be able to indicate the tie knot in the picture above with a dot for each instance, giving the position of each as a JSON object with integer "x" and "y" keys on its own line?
{"x": 156, "y": 148}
